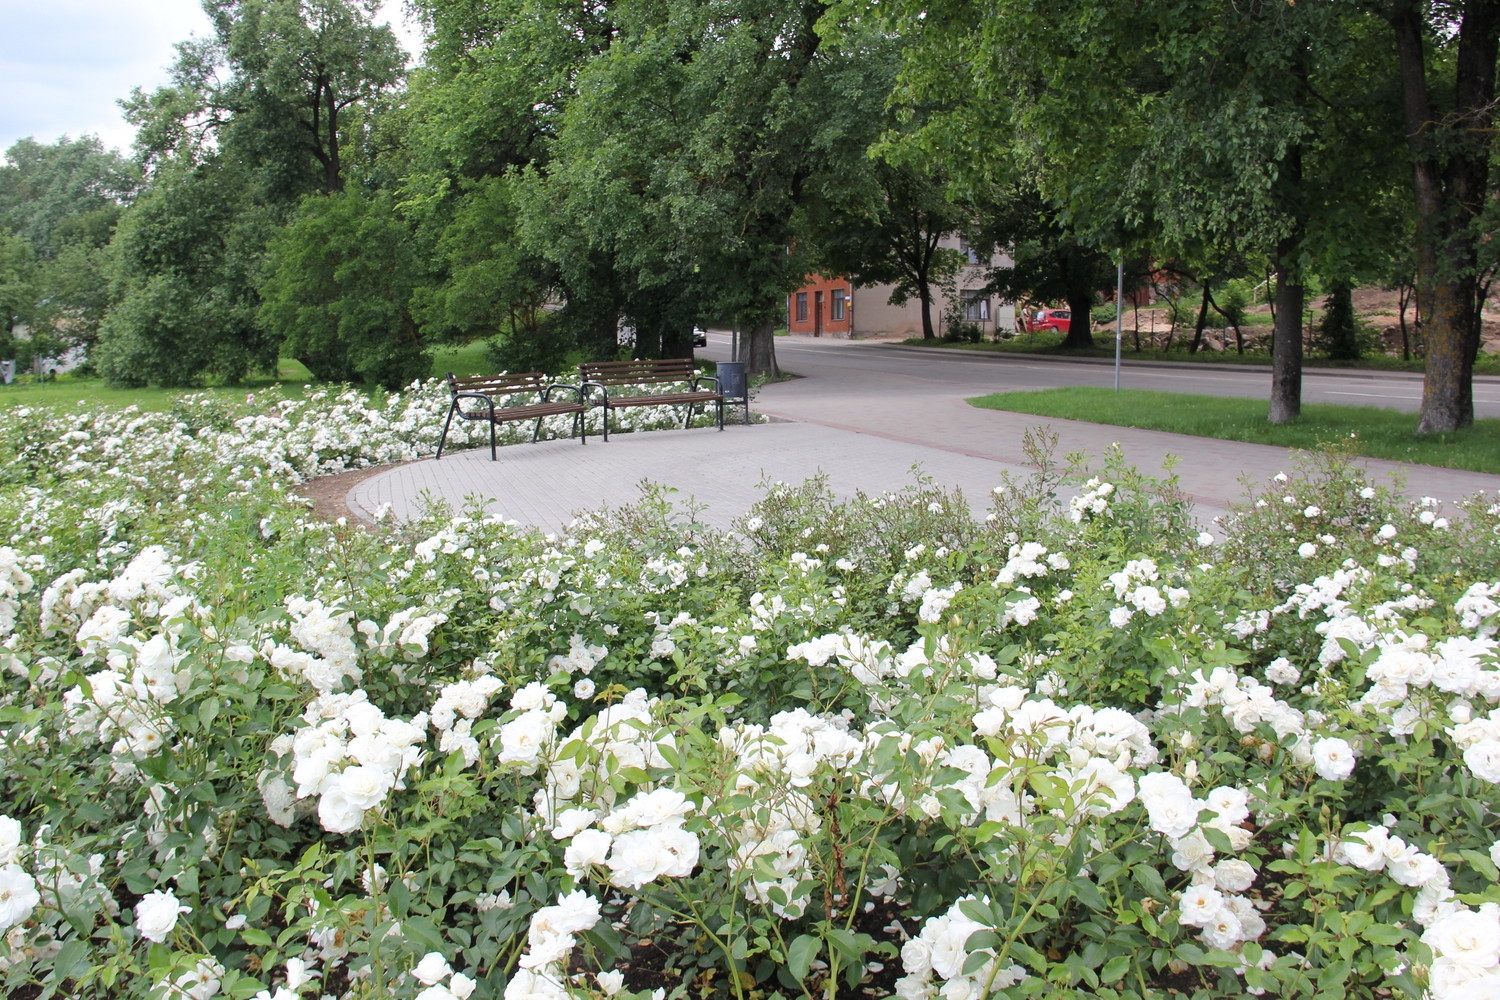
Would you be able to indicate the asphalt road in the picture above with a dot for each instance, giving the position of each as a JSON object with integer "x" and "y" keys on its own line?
{"x": 978, "y": 373}
{"x": 918, "y": 396}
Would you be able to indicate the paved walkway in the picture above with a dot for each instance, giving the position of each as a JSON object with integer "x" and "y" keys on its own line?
{"x": 864, "y": 430}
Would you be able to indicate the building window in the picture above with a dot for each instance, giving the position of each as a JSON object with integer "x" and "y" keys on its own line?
{"x": 976, "y": 307}
{"x": 969, "y": 252}
{"x": 838, "y": 305}
{"x": 802, "y": 307}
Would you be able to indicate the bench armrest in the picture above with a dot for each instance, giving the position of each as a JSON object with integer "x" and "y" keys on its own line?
{"x": 475, "y": 395}
{"x": 547, "y": 392}
{"x": 707, "y": 378}
{"x": 586, "y": 389}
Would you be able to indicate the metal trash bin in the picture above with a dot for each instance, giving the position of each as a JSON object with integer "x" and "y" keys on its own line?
{"x": 734, "y": 384}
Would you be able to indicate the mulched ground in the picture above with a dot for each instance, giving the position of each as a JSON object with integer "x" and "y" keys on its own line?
{"x": 329, "y": 493}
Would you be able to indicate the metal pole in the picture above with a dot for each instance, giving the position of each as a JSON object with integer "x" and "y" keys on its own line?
{"x": 1119, "y": 316}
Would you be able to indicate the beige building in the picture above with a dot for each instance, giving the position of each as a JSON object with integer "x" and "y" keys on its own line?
{"x": 834, "y": 307}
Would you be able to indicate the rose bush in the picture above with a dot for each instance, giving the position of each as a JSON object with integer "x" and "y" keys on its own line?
{"x": 1082, "y": 748}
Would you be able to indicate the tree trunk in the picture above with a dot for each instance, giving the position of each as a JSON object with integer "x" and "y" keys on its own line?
{"x": 1449, "y": 175}
{"x": 1286, "y": 341}
{"x": 760, "y": 349}
{"x": 333, "y": 173}
{"x": 1080, "y": 327}
{"x": 924, "y": 296}
{"x": 1202, "y": 321}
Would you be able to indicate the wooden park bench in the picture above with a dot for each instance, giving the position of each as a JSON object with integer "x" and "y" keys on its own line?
{"x": 675, "y": 381}
{"x": 484, "y": 398}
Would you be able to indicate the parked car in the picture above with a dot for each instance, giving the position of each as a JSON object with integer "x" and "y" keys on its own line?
{"x": 1050, "y": 319}
{"x": 700, "y": 337}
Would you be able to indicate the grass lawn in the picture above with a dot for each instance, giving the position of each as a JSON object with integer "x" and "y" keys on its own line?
{"x": 291, "y": 377}
{"x": 1368, "y": 431}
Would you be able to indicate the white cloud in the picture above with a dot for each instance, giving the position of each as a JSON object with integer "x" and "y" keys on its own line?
{"x": 65, "y": 63}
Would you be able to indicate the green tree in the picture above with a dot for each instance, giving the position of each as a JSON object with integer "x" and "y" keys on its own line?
{"x": 272, "y": 107}
{"x": 1200, "y": 130}
{"x": 18, "y": 297}
{"x": 688, "y": 153}
{"x": 283, "y": 86}
{"x": 190, "y": 253}
{"x": 889, "y": 231}
{"x": 339, "y": 288}
{"x": 65, "y": 194}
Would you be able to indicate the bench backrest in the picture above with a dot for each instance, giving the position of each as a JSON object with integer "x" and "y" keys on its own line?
{"x": 638, "y": 372}
{"x": 499, "y": 385}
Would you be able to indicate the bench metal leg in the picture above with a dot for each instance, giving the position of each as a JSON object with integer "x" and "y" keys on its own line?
{"x": 721, "y": 413}
{"x": 442, "y": 440}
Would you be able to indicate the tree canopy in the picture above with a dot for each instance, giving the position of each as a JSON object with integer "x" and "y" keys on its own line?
{"x": 553, "y": 173}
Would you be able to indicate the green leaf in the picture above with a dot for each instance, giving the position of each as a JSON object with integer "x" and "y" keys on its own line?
{"x": 800, "y": 954}
{"x": 1115, "y": 969}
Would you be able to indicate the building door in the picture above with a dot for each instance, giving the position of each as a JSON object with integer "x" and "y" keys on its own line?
{"x": 817, "y": 314}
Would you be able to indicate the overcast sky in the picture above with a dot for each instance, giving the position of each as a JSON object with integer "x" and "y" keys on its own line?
{"x": 64, "y": 63}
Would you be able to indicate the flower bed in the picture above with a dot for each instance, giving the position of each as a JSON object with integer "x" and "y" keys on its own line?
{"x": 866, "y": 747}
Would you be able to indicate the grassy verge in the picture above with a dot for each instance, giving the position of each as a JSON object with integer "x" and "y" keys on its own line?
{"x": 1047, "y": 342}
{"x": 291, "y": 378}
{"x": 1367, "y": 431}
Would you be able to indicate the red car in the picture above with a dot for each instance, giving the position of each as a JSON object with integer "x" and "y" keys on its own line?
{"x": 1050, "y": 319}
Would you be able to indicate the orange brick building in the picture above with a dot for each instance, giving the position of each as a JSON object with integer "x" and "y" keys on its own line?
{"x": 822, "y": 305}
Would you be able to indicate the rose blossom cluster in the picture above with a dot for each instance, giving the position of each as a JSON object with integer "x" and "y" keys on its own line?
{"x": 941, "y": 951}
{"x": 18, "y": 893}
{"x": 580, "y": 767}
{"x": 773, "y": 765}
{"x": 328, "y": 655}
{"x": 454, "y": 712}
{"x": 1092, "y": 502}
{"x": 637, "y": 842}
{"x": 348, "y": 755}
{"x": 432, "y": 970}
{"x": 541, "y": 973}
{"x": 15, "y": 581}
{"x": 1212, "y": 902}
{"x": 1135, "y": 584}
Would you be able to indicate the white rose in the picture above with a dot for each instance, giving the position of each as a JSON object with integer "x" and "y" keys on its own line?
{"x": 432, "y": 968}
{"x": 589, "y": 847}
{"x": 365, "y": 787}
{"x": 18, "y": 897}
{"x": 1199, "y": 905}
{"x": 1466, "y": 937}
{"x": 1364, "y": 849}
{"x": 156, "y": 915}
{"x": 1172, "y": 815}
{"x": 1333, "y": 758}
{"x": 10, "y": 840}
{"x": 1483, "y": 759}
{"x": 1233, "y": 875}
{"x": 337, "y": 813}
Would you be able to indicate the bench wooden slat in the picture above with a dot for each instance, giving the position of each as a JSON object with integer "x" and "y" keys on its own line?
{"x": 486, "y": 397}
{"x": 605, "y": 374}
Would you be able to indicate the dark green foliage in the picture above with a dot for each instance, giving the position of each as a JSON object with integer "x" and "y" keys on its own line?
{"x": 1339, "y": 331}
{"x": 190, "y": 256}
{"x": 338, "y": 290}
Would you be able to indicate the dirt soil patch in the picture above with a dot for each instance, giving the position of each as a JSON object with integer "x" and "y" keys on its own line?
{"x": 330, "y": 494}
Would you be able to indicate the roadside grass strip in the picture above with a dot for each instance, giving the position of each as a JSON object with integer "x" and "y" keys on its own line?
{"x": 1366, "y": 431}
